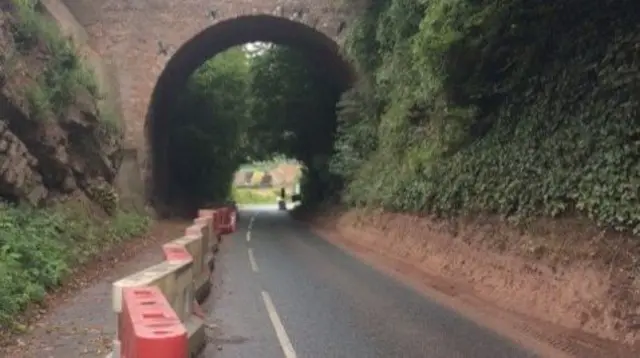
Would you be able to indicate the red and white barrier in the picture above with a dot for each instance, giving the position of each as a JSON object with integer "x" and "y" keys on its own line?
{"x": 148, "y": 326}
{"x": 227, "y": 223}
{"x": 157, "y": 308}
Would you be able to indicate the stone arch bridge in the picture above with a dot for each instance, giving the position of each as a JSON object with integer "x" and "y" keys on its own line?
{"x": 151, "y": 47}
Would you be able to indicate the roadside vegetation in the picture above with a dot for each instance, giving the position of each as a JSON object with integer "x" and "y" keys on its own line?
{"x": 491, "y": 107}
{"x": 507, "y": 128}
{"x": 513, "y": 109}
{"x": 41, "y": 246}
{"x": 463, "y": 108}
{"x": 64, "y": 76}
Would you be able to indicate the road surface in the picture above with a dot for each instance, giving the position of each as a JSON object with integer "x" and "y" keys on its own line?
{"x": 281, "y": 291}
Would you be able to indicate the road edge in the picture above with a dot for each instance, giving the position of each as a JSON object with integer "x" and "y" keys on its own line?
{"x": 543, "y": 338}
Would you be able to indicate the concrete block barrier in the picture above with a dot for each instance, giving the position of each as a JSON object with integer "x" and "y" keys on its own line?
{"x": 219, "y": 218}
{"x": 226, "y": 220}
{"x": 157, "y": 308}
{"x": 150, "y": 327}
{"x": 197, "y": 242}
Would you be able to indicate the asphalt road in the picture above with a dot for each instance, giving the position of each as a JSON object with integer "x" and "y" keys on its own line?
{"x": 281, "y": 292}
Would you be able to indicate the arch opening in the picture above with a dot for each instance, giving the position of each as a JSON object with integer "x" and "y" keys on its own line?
{"x": 321, "y": 52}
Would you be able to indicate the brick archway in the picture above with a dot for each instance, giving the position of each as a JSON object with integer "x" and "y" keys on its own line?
{"x": 321, "y": 50}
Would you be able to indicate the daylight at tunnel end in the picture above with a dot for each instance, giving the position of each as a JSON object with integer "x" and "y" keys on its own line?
{"x": 321, "y": 51}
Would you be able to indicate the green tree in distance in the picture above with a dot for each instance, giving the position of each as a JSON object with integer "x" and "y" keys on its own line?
{"x": 208, "y": 130}
{"x": 293, "y": 112}
{"x": 243, "y": 107}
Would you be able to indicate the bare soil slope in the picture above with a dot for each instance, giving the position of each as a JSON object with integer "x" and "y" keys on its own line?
{"x": 582, "y": 281}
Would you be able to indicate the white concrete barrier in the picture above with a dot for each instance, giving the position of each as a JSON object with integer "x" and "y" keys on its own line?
{"x": 181, "y": 280}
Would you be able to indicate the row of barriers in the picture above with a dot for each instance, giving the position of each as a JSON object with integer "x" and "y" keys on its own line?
{"x": 157, "y": 309}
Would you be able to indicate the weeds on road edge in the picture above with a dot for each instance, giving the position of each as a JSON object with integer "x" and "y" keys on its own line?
{"x": 39, "y": 248}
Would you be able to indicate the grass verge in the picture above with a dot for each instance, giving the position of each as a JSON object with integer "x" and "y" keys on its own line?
{"x": 39, "y": 248}
{"x": 255, "y": 195}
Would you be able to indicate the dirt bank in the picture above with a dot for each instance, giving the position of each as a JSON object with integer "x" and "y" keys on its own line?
{"x": 563, "y": 282}
{"x": 54, "y": 140}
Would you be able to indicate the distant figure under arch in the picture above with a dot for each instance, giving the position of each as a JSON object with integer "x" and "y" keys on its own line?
{"x": 322, "y": 52}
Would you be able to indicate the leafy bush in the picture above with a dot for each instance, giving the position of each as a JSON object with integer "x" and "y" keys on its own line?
{"x": 39, "y": 247}
{"x": 64, "y": 74}
{"x": 293, "y": 114}
{"x": 516, "y": 108}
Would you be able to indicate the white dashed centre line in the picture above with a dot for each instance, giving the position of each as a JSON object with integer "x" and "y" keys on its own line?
{"x": 252, "y": 261}
{"x": 283, "y": 338}
{"x": 285, "y": 342}
{"x": 249, "y": 227}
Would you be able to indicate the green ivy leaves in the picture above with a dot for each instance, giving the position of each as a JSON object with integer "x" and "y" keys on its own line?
{"x": 520, "y": 111}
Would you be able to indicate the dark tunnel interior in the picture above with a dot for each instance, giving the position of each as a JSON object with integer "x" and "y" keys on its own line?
{"x": 322, "y": 52}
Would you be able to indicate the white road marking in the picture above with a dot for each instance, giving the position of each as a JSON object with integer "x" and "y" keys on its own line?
{"x": 252, "y": 261}
{"x": 285, "y": 342}
{"x": 250, "y": 226}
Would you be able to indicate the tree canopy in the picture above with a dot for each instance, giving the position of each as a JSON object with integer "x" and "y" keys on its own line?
{"x": 494, "y": 107}
{"x": 516, "y": 108}
{"x": 242, "y": 107}
{"x": 208, "y": 129}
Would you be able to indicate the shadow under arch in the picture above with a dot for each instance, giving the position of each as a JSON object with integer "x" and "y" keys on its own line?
{"x": 322, "y": 52}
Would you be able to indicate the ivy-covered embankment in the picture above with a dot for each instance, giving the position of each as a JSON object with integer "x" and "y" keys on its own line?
{"x": 517, "y": 108}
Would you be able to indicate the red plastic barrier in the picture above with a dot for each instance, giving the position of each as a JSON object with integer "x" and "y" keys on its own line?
{"x": 222, "y": 226}
{"x": 173, "y": 253}
{"x": 228, "y": 220}
{"x": 223, "y": 220}
{"x": 149, "y": 328}
{"x": 222, "y": 223}
{"x": 215, "y": 221}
